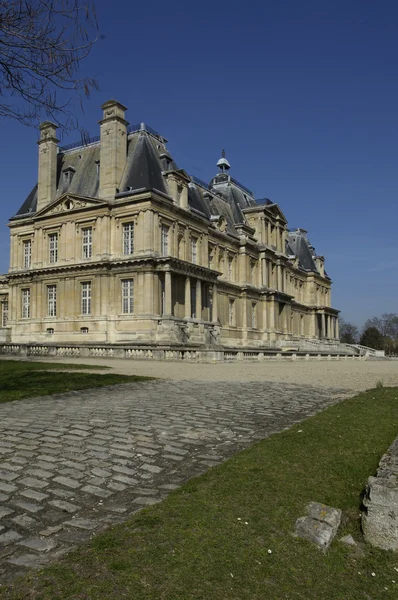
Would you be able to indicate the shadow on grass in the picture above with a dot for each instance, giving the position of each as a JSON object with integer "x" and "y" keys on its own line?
{"x": 20, "y": 379}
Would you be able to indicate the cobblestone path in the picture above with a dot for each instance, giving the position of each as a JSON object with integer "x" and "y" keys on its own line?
{"x": 72, "y": 464}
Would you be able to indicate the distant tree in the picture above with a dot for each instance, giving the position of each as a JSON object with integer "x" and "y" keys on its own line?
{"x": 387, "y": 325}
{"x": 349, "y": 333}
{"x": 372, "y": 338}
{"x": 42, "y": 43}
{"x": 390, "y": 346}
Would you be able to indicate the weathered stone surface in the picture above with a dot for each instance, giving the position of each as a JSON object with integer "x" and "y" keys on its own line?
{"x": 51, "y": 530}
{"x": 320, "y": 526}
{"x": 380, "y": 517}
{"x": 82, "y": 523}
{"x": 314, "y": 531}
{"x": 39, "y": 544}
{"x": 25, "y": 521}
{"x": 348, "y": 539}
{"x": 9, "y": 537}
{"x": 28, "y": 560}
{"x": 146, "y": 500}
{"x": 326, "y": 514}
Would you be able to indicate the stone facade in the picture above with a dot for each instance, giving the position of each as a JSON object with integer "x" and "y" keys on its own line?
{"x": 118, "y": 245}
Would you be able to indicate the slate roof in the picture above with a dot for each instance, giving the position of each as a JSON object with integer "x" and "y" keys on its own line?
{"x": 237, "y": 198}
{"x": 299, "y": 245}
{"x": 200, "y": 201}
{"x": 147, "y": 161}
{"x": 143, "y": 169}
{"x": 29, "y": 206}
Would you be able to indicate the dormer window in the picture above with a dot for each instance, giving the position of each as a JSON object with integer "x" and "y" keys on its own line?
{"x": 68, "y": 174}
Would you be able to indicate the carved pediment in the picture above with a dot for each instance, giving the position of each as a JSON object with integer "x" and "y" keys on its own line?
{"x": 69, "y": 203}
{"x": 275, "y": 210}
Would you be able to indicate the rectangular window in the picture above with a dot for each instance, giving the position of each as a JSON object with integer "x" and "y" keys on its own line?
{"x": 26, "y": 303}
{"x": 254, "y": 315}
{"x": 27, "y": 254}
{"x": 128, "y": 296}
{"x": 128, "y": 238}
{"x": 86, "y": 298}
{"x": 231, "y": 312}
{"x": 87, "y": 242}
{"x": 52, "y": 300}
{"x": 53, "y": 247}
{"x": 165, "y": 241}
{"x": 194, "y": 250}
{"x": 4, "y": 313}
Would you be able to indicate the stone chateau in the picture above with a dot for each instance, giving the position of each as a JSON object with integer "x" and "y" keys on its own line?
{"x": 118, "y": 245}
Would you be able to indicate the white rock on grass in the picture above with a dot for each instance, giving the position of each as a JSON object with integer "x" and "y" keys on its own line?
{"x": 320, "y": 526}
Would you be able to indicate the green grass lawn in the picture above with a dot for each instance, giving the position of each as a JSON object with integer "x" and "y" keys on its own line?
{"x": 24, "y": 379}
{"x": 228, "y": 534}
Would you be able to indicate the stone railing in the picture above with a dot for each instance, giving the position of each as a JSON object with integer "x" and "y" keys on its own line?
{"x": 366, "y": 351}
{"x": 380, "y": 517}
{"x": 187, "y": 353}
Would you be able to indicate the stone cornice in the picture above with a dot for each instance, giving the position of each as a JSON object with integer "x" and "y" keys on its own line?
{"x": 183, "y": 267}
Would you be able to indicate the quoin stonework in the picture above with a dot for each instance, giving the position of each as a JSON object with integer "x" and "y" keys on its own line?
{"x": 118, "y": 245}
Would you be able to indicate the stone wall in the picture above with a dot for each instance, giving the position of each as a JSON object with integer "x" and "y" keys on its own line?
{"x": 380, "y": 517}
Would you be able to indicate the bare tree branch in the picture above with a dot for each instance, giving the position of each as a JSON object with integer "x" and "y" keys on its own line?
{"x": 42, "y": 43}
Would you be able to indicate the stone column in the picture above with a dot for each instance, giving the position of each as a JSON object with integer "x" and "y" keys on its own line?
{"x": 312, "y": 321}
{"x": 168, "y": 293}
{"x": 262, "y": 230}
{"x": 188, "y": 310}
{"x": 287, "y": 311}
{"x": 148, "y": 232}
{"x": 149, "y": 295}
{"x": 244, "y": 317}
{"x": 264, "y": 270}
{"x": 323, "y": 332}
{"x": 279, "y": 277}
{"x": 269, "y": 240}
{"x": 337, "y": 329}
{"x": 265, "y": 319}
{"x": 104, "y": 283}
{"x": 271, "y": 282}
{"x": 272, "y": 315}
{"x": 96, "y": 296}
{"x": 214, "y": 304}
{"x": 242, "y": 263}
{"x": 198, "y": 299}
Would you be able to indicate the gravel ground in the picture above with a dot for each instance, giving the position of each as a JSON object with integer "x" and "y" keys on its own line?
{"x": 356, "y": 375}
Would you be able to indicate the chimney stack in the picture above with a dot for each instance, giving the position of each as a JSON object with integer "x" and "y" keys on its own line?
{"x": 48, "y": 150}
{"x": 113, "y": 151}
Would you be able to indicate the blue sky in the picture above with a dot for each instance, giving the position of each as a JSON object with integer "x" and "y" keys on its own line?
{"x": 302, "y": 95}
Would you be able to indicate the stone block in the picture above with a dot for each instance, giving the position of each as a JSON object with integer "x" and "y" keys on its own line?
{"x": 314, "y": 531}
{"x": 320, "y": 526}
{"x": 39, "y": 544}
{"x": 325, "y": 514}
